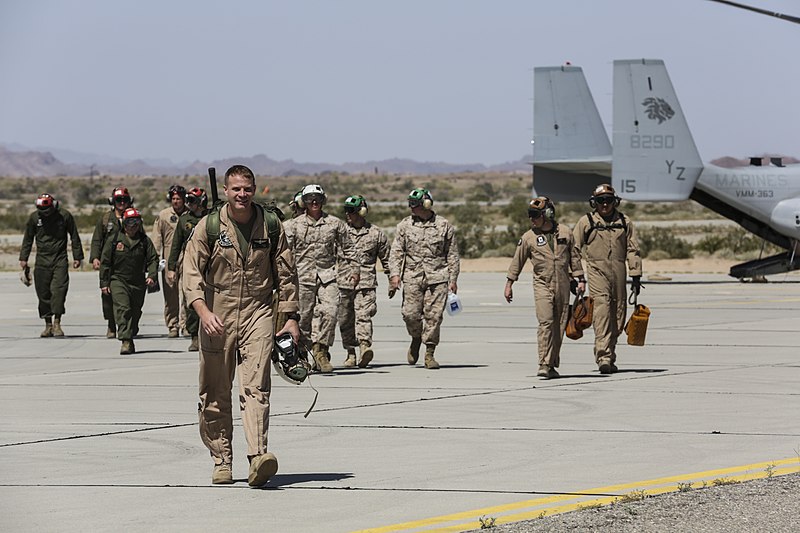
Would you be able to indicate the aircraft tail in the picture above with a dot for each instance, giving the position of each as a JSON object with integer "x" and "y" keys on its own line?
{"x": 571, "y": 150}
{"x": 655, "y": 158}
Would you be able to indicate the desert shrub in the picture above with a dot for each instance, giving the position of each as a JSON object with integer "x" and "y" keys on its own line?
{"x": 733, "y": 241}
{"x": 663, "y": 239}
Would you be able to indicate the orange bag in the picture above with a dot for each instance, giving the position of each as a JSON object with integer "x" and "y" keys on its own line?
{"x": 573, "y": 331}
{"x": 582, "y": 311}
{"x": 636, "y": 328}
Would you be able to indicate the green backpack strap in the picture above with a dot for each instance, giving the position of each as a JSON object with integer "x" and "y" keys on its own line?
{"x": 272, "y": 221}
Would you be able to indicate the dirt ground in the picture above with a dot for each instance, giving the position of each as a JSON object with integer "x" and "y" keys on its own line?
{"x": 651, "y": 268}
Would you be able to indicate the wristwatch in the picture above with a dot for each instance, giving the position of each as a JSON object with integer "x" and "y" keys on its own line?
{"x": 293, "y": 316}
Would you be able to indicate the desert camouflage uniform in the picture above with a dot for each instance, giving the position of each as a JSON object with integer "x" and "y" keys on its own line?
{"x": 358, "y": 305}
{"x": 316, "y": 245}
{"x": 424, "y": 254}
{"x": 605, "y": 250}
{"x": 555, "y": 260}
{"x": 163, "y": 232}
{"x": 238, "y": 288}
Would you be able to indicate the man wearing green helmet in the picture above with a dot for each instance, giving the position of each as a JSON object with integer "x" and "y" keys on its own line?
{"x": 424, "y": 258}
{"x": 357, "y": 305}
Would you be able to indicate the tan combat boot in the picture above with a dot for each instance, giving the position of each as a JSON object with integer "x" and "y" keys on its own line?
{"x": 48, "y": 328}
{"x": 111, "y": 332}
{"x": 413, "y": 351}
{"x": 604, "y": 365}
{"x": 350, "y": 362}
{"x": 323, "y": 365}
{"x": 173, "y": 333}
{"x": 262, "y": 467}
{"x": 126, "y": 348}
{"x": 430, "y": 362}
{"x": 222, "y": 474}
{"x": 194, "y": 346}
{"x": 366, "y": 354}
{"x": 57, "y": 331}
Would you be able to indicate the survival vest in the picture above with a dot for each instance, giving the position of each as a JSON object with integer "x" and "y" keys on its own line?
{"x": 622, "y": 224}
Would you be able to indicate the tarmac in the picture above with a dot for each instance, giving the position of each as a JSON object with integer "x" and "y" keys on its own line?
{"x": 97, "y": 441}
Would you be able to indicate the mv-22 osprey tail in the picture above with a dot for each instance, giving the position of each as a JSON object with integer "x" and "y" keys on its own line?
{"x": 654, "y": 158}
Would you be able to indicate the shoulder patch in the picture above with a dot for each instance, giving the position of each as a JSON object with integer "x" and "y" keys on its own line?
{"x": 541, "y": 240}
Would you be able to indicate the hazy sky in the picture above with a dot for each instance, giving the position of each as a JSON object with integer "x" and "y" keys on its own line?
{"x": 353, "y": 80}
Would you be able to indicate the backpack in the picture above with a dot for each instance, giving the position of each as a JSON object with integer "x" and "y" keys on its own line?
{"x": 272, "y": 222}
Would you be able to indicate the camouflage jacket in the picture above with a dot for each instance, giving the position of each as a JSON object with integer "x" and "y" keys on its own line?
{"x": 425, "y": 251}
{"x": 370, "y": 244}
{"x": 316, "y": 244}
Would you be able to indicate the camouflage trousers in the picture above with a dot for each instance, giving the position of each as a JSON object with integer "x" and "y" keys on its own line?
{"x": 356, "y": 309}
{"x": 423, "y": 306}
{"x": 319, "y": 306}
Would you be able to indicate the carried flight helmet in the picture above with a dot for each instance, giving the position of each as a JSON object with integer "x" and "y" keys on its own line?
{"x": 196, "y": 194}
{"x": 176, "y": 189}
{"x": 356, "y": 204}
{"x": 603, "y": 191}
{"x": 542, "y": 205}
{"x": 420, "y": 196}
{"x": 120, "y": 194}
{"x": 308, "y": 190}
{"x": 45, "y": 202}
{"x": 297, "y": 199}
{"x": 289, "y": 360}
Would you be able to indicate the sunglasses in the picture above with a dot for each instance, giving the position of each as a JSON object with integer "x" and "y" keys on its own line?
{"x": 133, "y": 221}
{"x": 414, "y": 203}
{"x": 605, "y": 200}
{"x": 534, "y": 213}
{"x": 313, "y": 199}
{"x": 122, "y": 200}
{"x": 192, "y": 199}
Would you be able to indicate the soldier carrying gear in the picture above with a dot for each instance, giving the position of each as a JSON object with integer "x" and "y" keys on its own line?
{"x": 424, "y": 259}
{"x": 556, "y": 261}
{"x": 607, "y": 239}
{"x": 357, "y": 305}
{"x": 108, "y": 226}
{"x": 128, "y": 266}
{"x": 50, "y": 226}
{"x": 295, "y": 205}
{"x": 197, "y": 208}
{"x": 232, "y": 281}
{"x": 163, "y": 233}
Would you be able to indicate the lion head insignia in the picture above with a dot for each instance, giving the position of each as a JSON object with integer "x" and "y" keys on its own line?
{"x": 657, "y": 109}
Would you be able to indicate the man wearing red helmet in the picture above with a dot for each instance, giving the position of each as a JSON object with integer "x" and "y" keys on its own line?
{"x": 128, "y": 265}
{"x": 163, "y": 233}
{"x": 108, "y": 225}
{"x": 607, "y": 239}
{"x": 49, "y": 226}
{"x": 196, "y": 208}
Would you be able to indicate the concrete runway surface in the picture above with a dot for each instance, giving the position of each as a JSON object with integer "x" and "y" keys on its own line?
{"x": 96, "y": 441}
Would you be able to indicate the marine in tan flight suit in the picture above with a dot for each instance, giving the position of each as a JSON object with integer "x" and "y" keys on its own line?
{"x": 163, "y": 233}
{"x": 230, "y": 284}
{"x": 318, "y": 238}
{"x": 357, "y": 305}
{"x": 607, "y": 240}
{"x": 551, "y": 250}
{"x": 424, "y": 259}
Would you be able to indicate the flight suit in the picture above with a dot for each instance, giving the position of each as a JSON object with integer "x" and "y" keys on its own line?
{"x": 124, "y": 265}
{"x": 316, "y": 245}
{"x": 239, "y": 290}
{"x": 51, "y": 271}
{"x": 107, "y": 225}
{"x": 163, "y": 233}
{"x": 555, "y": 261}
{"x": 358, "y": 305}
{"x": 606, "y": 246}
{"x": 424, "y": 254}
{"x": 183, "y": 230}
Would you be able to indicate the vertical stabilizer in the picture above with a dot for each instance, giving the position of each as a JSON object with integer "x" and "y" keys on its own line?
{"x": 655, "y": 157}
{"x": 566, "y": 124}
{"x": 571, "y": 151}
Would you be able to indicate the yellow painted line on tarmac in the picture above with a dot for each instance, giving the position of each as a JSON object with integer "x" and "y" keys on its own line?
{"x": 540, "y": 507}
